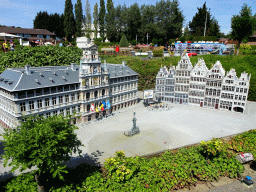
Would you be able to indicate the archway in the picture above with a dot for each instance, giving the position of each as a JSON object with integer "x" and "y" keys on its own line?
{"x": 95, "y": 94}
{"x": 103, "y": 92}
{"x": 87, "y": 96}
{"x": 88, "y": 108}
{"x": 239, "y": 109}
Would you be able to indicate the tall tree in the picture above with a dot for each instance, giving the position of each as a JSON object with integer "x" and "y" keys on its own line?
{"x": 88, "y": 19}
{"x": 118, "y": 22}
{"x": 79, "y": 18}
{"x": 134, "y": 21}
{"x": 95, "y": 20}
{"x": 197, "y": 25}
{"x": 148, "y": 23}
{"x": 170, "y": 19}
{"x": 102, "y": 19}
{"x": 243, "y": 25}
{"x": 69, "y": 20}
{"x": 110, "y": 21}
{"x": 31, "y": 147}
{"x": 41, "y": 20}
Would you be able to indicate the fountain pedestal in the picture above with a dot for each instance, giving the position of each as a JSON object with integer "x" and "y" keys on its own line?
{"x": 135, "y": 130}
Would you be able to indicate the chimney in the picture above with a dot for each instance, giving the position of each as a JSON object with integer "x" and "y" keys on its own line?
{"x": 27, "y": 69}
{"x": 73, "y": 66}
{"x": 123, "y": 63}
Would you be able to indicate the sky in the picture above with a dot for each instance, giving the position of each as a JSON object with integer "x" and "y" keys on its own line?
{"x": 21, "y": 13}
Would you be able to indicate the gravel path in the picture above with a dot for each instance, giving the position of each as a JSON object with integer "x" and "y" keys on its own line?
{"x": 160, "y": 129}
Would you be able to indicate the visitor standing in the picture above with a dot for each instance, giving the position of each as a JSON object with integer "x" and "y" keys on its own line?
{"x": 5, "y": 46}
{"x": 11, "y": 45}
{"x": 223, "y": 49}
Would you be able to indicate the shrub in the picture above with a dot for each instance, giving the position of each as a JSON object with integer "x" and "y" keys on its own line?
{"x": 160, "y": 41}
{"x": 191, "y": 37}
{"x": 154, "y": 41}
{"x": 157, "y": 53}
{"x": 124, "y": 41}
{"x": 133, "y": 42}
{"x": 182, "y": 39}
{"x": 245, "y": 47}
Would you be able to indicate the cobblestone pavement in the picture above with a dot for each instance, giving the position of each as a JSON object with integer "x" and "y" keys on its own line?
{"x": 160, "y": 130}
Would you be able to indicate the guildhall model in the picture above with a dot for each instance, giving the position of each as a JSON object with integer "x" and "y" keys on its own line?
{"x": 202, "y": 87}
{"x": 92, "y": 90}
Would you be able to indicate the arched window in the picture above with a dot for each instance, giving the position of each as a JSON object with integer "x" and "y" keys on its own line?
{"x": 103, "y": 92}
{"x": 88, "y": 108}
{"x": 96, "y": 94}
{"x": 87, "y": 96}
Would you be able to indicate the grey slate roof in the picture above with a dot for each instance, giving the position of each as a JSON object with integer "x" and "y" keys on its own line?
{"x": 17, "y": 79}
{"x": 119, "y": 70}
{"x": 22, "y": 81}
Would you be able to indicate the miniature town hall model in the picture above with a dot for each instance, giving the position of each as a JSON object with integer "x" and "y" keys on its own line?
{"x": 92, "y": 90}
{"x": 202, "y": 87}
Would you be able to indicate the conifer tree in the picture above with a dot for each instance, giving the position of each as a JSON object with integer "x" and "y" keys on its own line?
{"x": 110, "y": 21}
{"x": 124, "y": 42}
{"x": 69, "y": 20}
{"x": 102, "y": 19}
{"x": 95, "y": 20}
{"x": 88, "y": 19}
{"x": 79, "y": 18}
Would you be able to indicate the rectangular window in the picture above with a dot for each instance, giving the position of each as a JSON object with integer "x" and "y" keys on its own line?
{"x": 244, "y": 97}
{"x": 54, "y": 101}
{"x": 68, "y": 111}
{"x": 60, "y": 99}
{"x": 245, "y": 90}
{"x": 39, "y": 103}
{"x": 66, "y": 98}
{"x": 62, "y": 112}
{"x": 39, "y": 36}
{"x": 241, "y": 90}
{"x": 31, "y": 105}
{"x": 23, "y": 106}
{"x": 47, "y": 102}
{"x": 48, "y": 114}
{"x": 73, "y": 109}
{"x": 72, "y": 97}
{"x": 60, "y": 88}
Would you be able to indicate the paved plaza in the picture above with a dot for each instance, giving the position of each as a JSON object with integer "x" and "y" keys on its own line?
{"x": 160, "y": 129}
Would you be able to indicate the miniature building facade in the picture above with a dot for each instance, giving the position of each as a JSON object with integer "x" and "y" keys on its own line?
{"x": 54, "y": 90}
{"x": 207, "y": 88}
{"x": 182, "y": 78}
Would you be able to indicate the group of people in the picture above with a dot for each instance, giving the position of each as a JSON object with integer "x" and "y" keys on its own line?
{"x": 6, "y": 46}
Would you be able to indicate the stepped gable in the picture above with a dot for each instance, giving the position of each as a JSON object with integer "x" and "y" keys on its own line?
{"x": 184, "y": 60}
{"x": 232, "y": 74}
{"x": 217, "y": 68}
{"x": 245, "y": 77}
{"x": 200, "y": 67}
{"x": 172, "y": 70}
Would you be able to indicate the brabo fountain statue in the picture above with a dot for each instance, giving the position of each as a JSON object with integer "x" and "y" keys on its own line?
{"x": 135, "y": 130}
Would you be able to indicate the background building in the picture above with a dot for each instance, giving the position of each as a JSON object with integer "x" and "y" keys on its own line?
{"x": 32, "y": 34}
{"x": 207, "y": 88}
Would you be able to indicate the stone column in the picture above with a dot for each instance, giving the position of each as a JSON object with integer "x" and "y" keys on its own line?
{"x": 27, "y": 107}
{"x": 57, "y": 100}
{"x": 43, "y": 103}
{"x": 51, "y": 106}
{"x": 70, "y": 101}
{"x": 36, "y": 106}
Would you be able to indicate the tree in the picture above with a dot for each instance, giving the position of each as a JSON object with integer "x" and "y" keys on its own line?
{"x": 79, "y": 18}
{"x": 69, "y": 20}
{"x": 242, "y": 25}
{"x": 102, "y": 19}
{"x": 197, "y": 25}
{"x": 133, "y": 21}
{"x": 41, "y": 20}
{"x": 170, "y": 19}
{"x": 148, "y": 23}
{"x": 44, "y": 143}
{"x": 95, "y": 20}
{"x": 186, "y": 31}
{"x": 88, "y": 19}
{"x": 110, "y": 21}
{"x": 124, "y": 42}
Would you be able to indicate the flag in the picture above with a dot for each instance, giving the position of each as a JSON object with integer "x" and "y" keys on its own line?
{"x": 97, "y": 110}
{"x": 104, "y": 104}
{"x": 92, "y": 107}
{"x": 108, "y": 104}
{"x": 102, "y": 107}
